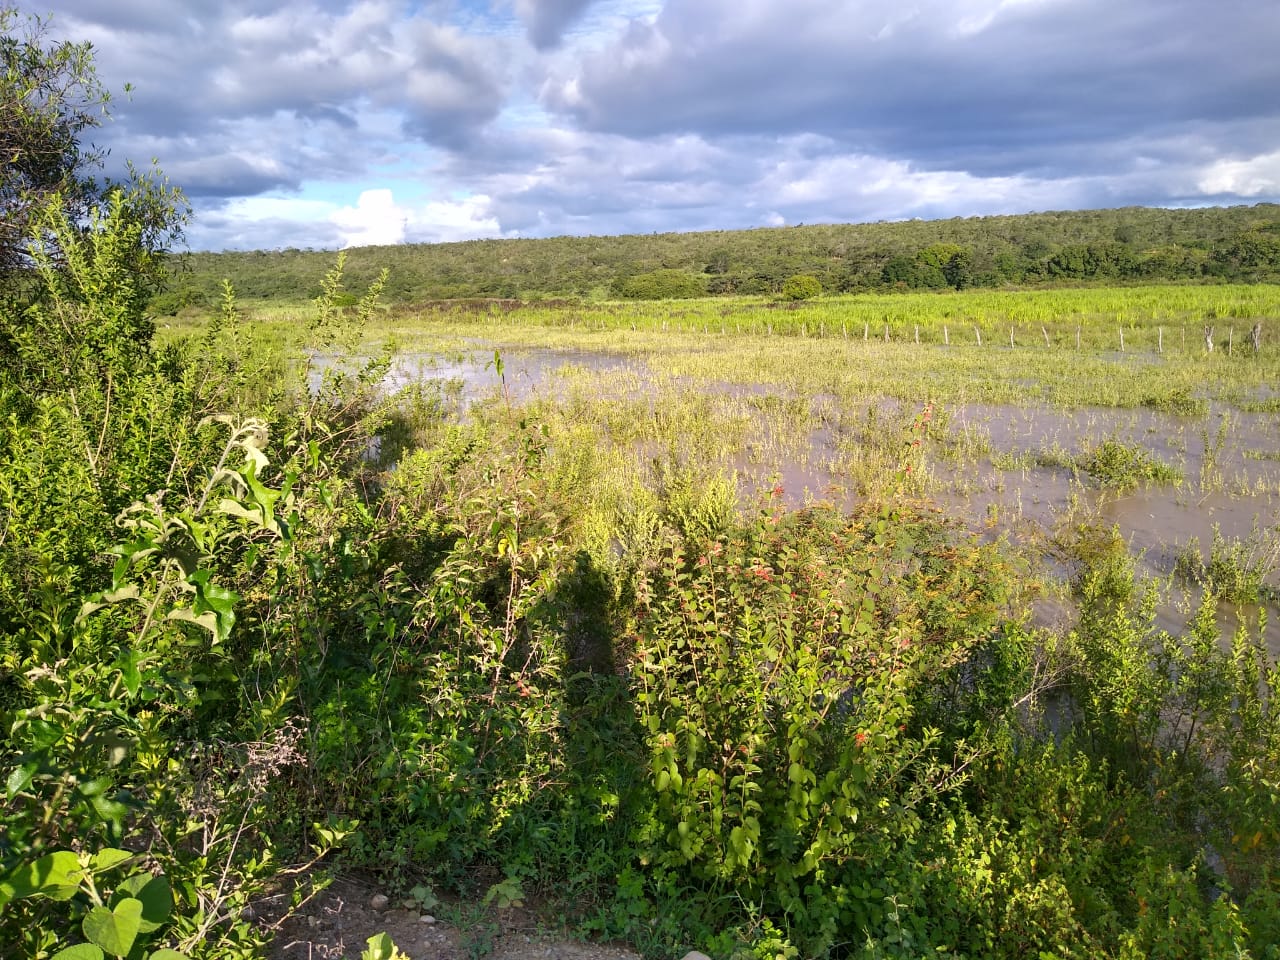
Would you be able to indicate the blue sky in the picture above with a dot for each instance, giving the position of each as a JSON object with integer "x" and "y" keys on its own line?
{"x": 329, "y": 124}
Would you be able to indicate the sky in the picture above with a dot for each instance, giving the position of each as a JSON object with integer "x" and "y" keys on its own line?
{"x": 326, "y": 124}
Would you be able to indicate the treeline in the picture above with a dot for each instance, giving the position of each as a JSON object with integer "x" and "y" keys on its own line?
{"x": 1130, "y": 244}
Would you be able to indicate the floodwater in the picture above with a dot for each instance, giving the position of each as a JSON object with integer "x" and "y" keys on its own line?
{"x": 1008, "y": 472}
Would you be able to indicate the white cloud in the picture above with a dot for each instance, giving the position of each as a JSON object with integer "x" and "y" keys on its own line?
{"x": 376, "y": 219}
{"x": 1255, "y": 177}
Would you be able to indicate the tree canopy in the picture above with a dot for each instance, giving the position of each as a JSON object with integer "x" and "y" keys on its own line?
{"x": 50, "y": 99}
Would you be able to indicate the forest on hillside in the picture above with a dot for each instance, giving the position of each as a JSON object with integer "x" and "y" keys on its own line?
{"x": 1133, "y": 244}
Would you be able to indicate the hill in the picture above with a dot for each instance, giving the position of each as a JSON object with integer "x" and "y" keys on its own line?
{"x": 1106, "y": 246}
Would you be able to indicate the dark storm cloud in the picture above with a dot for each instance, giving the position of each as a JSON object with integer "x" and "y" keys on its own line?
{"x": 995, "y": 87}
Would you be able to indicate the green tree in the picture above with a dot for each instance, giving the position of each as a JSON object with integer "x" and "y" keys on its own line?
{"x": 801, "y": 286}
{"x": 57, "y": 219}
{"x": 50, "y": 98}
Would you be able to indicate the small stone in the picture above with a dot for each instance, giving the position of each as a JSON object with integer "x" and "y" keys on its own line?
{"x": 427, "y": 918}
{"x": 379, "y": 902}
{"x": 695, "y": 955}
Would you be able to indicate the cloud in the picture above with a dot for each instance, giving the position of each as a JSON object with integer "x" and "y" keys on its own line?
{"x": 546, "y": 20}
{"x": 376, "y": 218}
{"x": 543, "y": 117}
{"x": 991, "y": 87}
{"x": 1255, "y": 177}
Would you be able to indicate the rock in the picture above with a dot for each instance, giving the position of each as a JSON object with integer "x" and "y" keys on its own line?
{"x": 379, "y": 902}
{"x": 695, "y": 955}
{"x": 426, "y": 918}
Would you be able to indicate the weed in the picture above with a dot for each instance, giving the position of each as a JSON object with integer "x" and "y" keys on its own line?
{"x": 1236, "y": 569}
{"x": 1115, "y": 465}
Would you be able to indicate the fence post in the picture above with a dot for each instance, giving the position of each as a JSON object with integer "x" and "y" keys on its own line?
{"x": 946, "y": 335}
{"x": 977, "y": 333}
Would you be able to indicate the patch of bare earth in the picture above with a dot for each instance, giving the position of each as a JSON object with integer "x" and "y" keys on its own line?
{"x": 337, "y": 923}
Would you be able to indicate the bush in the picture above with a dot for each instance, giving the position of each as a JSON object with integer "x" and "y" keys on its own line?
{"x": 801, "y": 286}
{"x": 661, "y": 285}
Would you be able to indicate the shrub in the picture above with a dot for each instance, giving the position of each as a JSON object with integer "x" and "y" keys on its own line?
{"x": 661, "y": 285}
{"x": 801, "y": 286}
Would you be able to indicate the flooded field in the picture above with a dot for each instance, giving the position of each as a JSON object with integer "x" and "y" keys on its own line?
{"x": 1175, "y": 486}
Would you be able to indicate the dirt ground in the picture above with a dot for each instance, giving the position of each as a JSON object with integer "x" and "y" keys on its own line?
{"x": 337, "y": 923}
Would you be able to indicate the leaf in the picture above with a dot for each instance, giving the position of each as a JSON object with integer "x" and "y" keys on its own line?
{"x": 211, "y": 598}
{"x": 20, "y": 778}
{"x": 106, "y": 598}
{"x": 109, "y": 857}
{"x": 81, "y": 951}
{"x": 207, "y": 620}
{"x": 167, "y": 954}
{"x": 55, "y": 875}
{"x": 130, "y": 675}
{"x": 381, "y": 947}
{"x": 156, "y": 898}
{"x": 114, "y": 930}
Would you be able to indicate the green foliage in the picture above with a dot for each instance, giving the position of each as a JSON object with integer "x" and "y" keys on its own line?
{"x": 667, "y": 284}
{"x": 801, "y": 286}
{"x": 780, "y": 673}
{"x": 1236, "y": 569}
{"x": 1190, "y": 244}
{"x": 50, "y": 97}
{"x": 1116, "y": 465}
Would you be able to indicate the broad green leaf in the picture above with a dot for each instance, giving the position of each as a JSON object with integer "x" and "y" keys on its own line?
{"x": 109, "y": 857}
{"x": 155, "y": 896}
{"x": 20, "y": 778}
{"x": 167, "y": 954}
{"x": 381, "y": 947}
{"x": 114, "y": 930}
{"x": 212, "y": 598}
{"x": 55, "y": 875}
{"x": 81, "y": 951}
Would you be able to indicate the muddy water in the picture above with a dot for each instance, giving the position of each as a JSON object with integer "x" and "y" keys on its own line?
{"x": 996, "y": 479}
